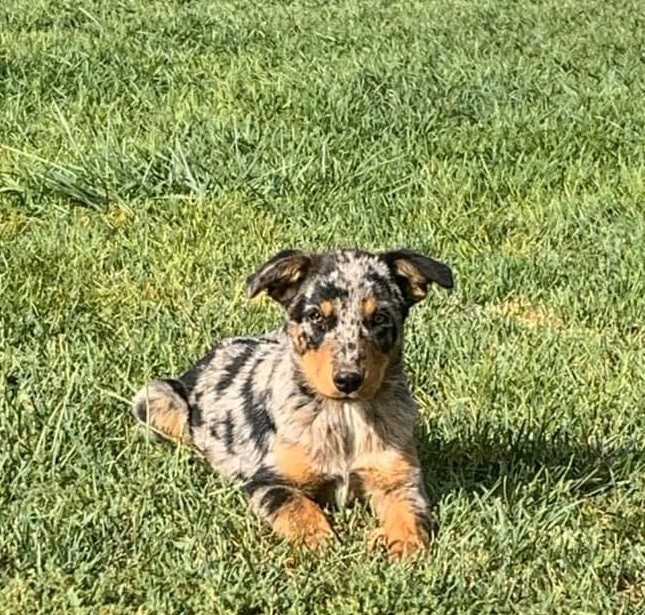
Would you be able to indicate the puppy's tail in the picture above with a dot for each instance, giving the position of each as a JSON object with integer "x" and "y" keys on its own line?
{"x": 162, "y": 407}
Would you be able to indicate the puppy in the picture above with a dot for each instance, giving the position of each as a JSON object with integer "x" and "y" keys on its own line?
{"x": 318, "y": 412}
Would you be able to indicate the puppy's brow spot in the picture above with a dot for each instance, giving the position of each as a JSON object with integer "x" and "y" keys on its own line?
{"x": 327, "y": 308}
{"x": 370, "y": 305}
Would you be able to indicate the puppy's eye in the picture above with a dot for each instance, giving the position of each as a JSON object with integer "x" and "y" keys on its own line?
{"x": 314, "y": 316}
{"x": 381, "y": 319}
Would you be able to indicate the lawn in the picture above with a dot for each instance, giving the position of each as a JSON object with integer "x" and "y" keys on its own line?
{"x": 153, "y": 153}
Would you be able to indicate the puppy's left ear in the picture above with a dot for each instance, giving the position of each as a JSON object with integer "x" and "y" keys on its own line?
{"x": 414, "y": 271}
{"x": 281, "y": 275}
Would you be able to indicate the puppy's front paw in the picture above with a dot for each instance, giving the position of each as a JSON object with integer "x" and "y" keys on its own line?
{"x": 303, "y": 522}
{"x": 404, "y": 535}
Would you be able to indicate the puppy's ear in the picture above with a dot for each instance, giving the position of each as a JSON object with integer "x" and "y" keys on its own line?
{"x": 281, "y": 275}
{"x": 414, "y": 271}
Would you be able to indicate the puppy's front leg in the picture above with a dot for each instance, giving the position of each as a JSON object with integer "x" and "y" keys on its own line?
{"x": 289, "y": 512}
{"x": 394, "y": 483}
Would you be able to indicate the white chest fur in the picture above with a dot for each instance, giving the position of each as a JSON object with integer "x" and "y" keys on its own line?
{"x": 340, "y": 435}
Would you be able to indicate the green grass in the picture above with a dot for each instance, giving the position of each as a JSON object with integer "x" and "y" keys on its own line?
{"x": 152, "y": 153}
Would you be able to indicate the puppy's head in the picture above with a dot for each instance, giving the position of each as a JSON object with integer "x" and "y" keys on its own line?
{"x": 346, "y": 311}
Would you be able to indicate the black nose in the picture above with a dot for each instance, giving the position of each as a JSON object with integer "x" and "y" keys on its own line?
{"x": 348, "y": 382}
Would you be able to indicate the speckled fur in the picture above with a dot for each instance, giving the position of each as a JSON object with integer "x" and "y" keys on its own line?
{"x": 267, "y": 410}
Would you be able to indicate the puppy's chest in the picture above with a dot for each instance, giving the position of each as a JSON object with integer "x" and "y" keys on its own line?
{"x": 336, "y": 443}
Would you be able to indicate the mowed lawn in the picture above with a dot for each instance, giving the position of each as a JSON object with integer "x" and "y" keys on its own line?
{"x": 153, "y": 153}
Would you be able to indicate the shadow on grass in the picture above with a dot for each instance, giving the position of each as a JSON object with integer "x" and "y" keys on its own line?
{"x": 491, "y": 461}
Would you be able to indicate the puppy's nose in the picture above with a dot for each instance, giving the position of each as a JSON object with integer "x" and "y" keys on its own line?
{"x": 348, "y": 382}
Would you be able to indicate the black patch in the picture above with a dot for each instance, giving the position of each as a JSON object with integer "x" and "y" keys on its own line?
{"x": 305, "y": 389}
{"x": 305, "y": 395}
{"x": 268, "y": 340}
{"x": 255, "y": 411}
{"x": 189, "y": 380}
{"x": 329, "y": 291}
{"x": 248, "y": 341}
{"x": 191, "y": 376}
{"x": 297, "y": 308}
{"x": 224, "y": 430}
{"x": 229, "y": 436}
{"x": 195, "y": 416}
{"x": 178, "y": 387}
{"x": 140, "y": 411}
{"x": 385, "y": 337}
{"x": 327, "y": 264}
{"x": 331, "y": 322}
{"x": 275, "y": 498}
{"x": 356, "y": 483}
{"x": 315, "y": 338}
{"x": 324, "y": 492}
{"x": 234, "y": 367}
{"x": 382, "y": 286}
{"x": 264, "y": 477}
{"x": 429, "y": 523}
{"x": 333, "y": 261}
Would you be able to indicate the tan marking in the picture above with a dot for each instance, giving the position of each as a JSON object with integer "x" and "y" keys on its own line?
{"x": 400, "y": 530}
{"x": 418, "y": 283}
{"x": 327, "y": 308}
{"x": 293, "y": 271}
{"x": 375, "y": 365}
{"x": 294, "y": 463}
{"x": 302, "y": 521}
{"x": 386, "y": 470}
{"x": 317, "y": 367}
{"x": 388, "y": 478}
{"x": 167, "y": 419}
{"x": 370, "y": 305}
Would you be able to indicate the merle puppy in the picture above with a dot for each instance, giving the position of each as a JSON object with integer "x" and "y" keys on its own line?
{"x": 318, "y": 412}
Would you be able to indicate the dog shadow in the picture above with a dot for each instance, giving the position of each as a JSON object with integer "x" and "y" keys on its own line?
{"x": 487, "y": 461}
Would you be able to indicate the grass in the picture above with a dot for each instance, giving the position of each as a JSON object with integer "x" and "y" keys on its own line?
{"x": 153, "y": 153}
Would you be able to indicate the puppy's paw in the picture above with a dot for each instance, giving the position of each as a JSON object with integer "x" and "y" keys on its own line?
{"x": 404, "y": 536}
{"x": 303, "y": 522}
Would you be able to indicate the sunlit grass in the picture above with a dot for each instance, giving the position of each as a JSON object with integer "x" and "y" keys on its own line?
{"x": 152, "y": 154}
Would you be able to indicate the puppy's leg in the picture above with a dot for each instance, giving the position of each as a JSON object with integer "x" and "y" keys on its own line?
{"x": 394, "y": 483}
{"x": 289, "y": 512}
{"x": 162, "y": 407}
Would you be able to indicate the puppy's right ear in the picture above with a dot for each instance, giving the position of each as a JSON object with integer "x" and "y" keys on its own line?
{"x": 281, "y": 275}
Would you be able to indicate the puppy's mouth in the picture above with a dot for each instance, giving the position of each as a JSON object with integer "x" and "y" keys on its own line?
{"x": 340, "y": 396}
{"x": 348, "y": 396}
{"x": 363, "y": 393}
